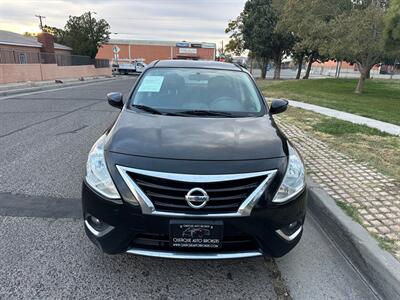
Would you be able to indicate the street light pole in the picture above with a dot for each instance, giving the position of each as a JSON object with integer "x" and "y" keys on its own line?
{"x": 91, "y": 27}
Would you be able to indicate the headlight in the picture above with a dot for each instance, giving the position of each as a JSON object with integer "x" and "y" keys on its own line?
{"x": 294, "y": 181}
{"x": 97, "y": 175}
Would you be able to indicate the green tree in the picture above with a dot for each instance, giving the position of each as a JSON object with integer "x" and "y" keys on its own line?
{"x": 259, "y": 20}
{"x": 84, "y": 34}
{"x": 357, "y": 36}
{"x": 236, "y": 42}
{"x": 281, "y": 44}
{"x": 263, "y": 35}
{"x": 283, "y": 40}
{"x": 308, "y": 20}
{"x": 298, "y": 55}
{"x": 392, "y": 27}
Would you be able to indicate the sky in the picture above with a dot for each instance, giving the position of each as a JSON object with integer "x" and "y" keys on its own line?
{"x": 177, "y": 20}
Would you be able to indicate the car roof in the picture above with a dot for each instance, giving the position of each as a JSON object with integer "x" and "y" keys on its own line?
{"x": 205, "y": 64}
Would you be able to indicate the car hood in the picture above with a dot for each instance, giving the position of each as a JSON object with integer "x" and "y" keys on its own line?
{"x": 196, "y": 138}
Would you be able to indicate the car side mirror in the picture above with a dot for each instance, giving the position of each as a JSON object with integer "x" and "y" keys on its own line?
{"x": 278, "y": 106}
{"x": 115, "y": 99}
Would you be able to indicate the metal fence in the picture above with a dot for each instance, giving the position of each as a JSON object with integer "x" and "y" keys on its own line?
{"x": 318, "y": 72}
{"x": 30, "y": 57}
{"x": 353, "y": 73}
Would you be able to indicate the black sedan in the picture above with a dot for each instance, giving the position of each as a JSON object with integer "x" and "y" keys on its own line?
{"x": 194, "y": 149}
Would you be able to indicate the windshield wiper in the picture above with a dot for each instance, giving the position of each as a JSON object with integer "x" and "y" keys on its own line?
{"x": 147, "y": 108}
{"x": 197, "y": 112}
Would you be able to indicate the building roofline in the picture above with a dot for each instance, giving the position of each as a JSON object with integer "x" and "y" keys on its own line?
{"x": 20, "y": 44}
{"x": 61, "y": 47}
{"x": 16, "y": 39}
{"x": 156, "y": 42}
{"x": 58, "y": 46}
{"x": 10, "y": 38}
{"x": 202, "y": 64}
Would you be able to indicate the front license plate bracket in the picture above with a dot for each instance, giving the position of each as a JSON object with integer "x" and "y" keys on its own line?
{"x": 198, "y": 234}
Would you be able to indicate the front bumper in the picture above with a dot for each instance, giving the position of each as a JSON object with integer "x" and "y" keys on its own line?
{"x": 132, "y": 232}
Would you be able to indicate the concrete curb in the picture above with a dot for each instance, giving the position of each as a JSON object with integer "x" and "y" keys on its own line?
{"x": 379, "y": 267}
{"x": 51, "y": 87}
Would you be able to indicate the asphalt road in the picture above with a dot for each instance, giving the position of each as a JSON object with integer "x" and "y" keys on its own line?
{"x": 44, "y": 253}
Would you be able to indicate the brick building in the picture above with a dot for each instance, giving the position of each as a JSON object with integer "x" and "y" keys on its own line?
{"x": 153, "y": 50}
{"x": 17, "y": 48}
{"x": 38, "y": 58}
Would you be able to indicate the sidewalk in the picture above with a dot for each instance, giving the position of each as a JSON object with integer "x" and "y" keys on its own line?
{"x": 376, "y": 197}
{"x": 382, "y": 126}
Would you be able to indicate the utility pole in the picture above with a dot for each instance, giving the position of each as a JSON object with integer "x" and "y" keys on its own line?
{"x": 40, "y": 20}
{"x": 91, "y": 29}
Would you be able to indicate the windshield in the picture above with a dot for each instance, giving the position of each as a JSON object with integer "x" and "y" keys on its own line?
{"x": 198, "y": 91}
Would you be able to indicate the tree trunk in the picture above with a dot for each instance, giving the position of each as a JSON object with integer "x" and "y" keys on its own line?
{"x": 369, "y": 73}
{"x": 310, "y": 62}
{"x": 263, "y": 72}
{"x": 278, "y": 65}
{"x": 299, "y": 68}
{"x": 361, "y": 81}
{"x": 264, "y": 63}
{"x": 339, "y": 70}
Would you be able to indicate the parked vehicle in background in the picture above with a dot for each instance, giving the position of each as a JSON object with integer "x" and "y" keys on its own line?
{"x": 125, "y": 67}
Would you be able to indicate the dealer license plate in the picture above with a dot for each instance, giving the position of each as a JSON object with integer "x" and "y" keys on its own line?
{"x": 196, "y": 234}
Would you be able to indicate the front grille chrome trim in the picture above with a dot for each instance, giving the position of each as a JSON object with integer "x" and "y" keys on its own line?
{"x": 195, "y": 178}
{"x": 194, "y": 255}
{"x": 148, "y": 206}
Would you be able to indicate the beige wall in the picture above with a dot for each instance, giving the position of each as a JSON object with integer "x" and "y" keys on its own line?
{"x": 18, "y": 73}
{"x": 10, "y": 73}
{"x": 345, "y": 65}
{"x": 331, "y": 64}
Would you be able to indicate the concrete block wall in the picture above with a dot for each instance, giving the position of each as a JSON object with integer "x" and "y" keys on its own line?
{"x": 12, "y": 73}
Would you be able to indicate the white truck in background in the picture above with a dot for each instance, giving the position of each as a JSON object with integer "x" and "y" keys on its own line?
{"x": 127, "y": 66}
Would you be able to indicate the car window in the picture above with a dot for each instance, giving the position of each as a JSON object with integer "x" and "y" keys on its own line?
{"x": 182, "y": 89}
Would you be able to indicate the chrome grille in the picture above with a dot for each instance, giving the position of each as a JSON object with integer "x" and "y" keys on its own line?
{"x": 169, "y": 195}
{"x": 163, "y": 194}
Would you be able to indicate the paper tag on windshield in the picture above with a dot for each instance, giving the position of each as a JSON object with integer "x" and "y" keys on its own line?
{"x": 151, "y": 84}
